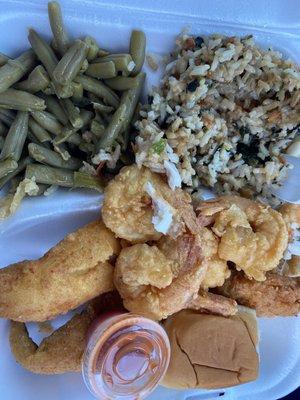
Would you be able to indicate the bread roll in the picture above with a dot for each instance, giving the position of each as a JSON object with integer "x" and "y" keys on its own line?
{"x": 210, "y": 351}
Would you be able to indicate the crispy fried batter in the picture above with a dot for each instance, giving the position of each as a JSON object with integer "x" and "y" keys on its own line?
{"x": 128, "y": 208}
{"x": 213, "y": 304}
{"x": 276, "y": 296}
{"x": 290, "y": 213}
{"x": 252, "y": 235}
{"x": 155, "y": 284}
{"x": 59, "y": 353}
{"x": 62, "y": 351}
{"x": 73, "y": 272}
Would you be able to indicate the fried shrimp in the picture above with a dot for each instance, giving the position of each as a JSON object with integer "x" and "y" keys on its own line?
{"x": 71, "y": 273}
{"x": 139, "y": 206}
{"x": 252, "y": 235}
{"x": 155, "y": 285}
{"x": 291, "y": 215}
{"x": 217, "y": 270}
{"x": 213, "y": 304}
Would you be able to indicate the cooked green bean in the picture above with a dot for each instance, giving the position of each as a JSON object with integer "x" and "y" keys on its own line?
{"x": 1, "y": 142}
{"x": 83, "y": 180}
{"x": 93, "y": 48}
{"x": 41, "y": 189}
{"x": 102, "y": 108}
{"x": 125, "y": 137}
{"x": 75, "y": 138}
{"x": 61, "y": 38}
{"x": 97, "y": 128}
{"x": 123, "y": 62}
{"x": 83, "y": 102}
{"x": 15, "y": 138}
{"x": 7, "y": 166}
{"x": 137, "y": 49}
{"x": 77, "y": 91}
{"x": 99, "y": 89}
{"x": 48, "y": 58}
{"x": 49, "y": 157}
{"x": 86, "y": 116}
{"x": 43, "y": 51}
{"x": 84, "y": 66}
{"x": 62, "y": 150}
{"x": 87, "y": 147}
{"x": 113, "y": 129}
{"x": 19, "y": 100}
{"x": 32, "y": 138}
{"x": 102, "y": 53}
{"x": 70, "y": 64}
{"x": 49, "y": 175}
{"x": 3, "y": 59}
{"x": 49, "y": 91}
{"x": 93, "y": 97}
{"x": 68, "y": 134}
{"x": 21, "y": 166}
{"x": 54, "y": 46}
{"x": 13, "y": 70}
{"x": 131, "y": 98}
{"x": 105, "y": 117}
{"x": 39, "y": 132}
{"x": 37, "y": 80}
{"x": 72, "y": 113}
{"x": 102, "y": 70}
{"x": 47, "y": 121}
{"x": 100, "y": 118}
{"x": 122, "y": 83}
{"x": 7, "y": 116}
{"x": 54, "y": 107}
{"x": 3, "y": 128}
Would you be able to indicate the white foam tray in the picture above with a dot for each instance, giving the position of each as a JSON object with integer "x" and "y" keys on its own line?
{"x": 41, "y": 222}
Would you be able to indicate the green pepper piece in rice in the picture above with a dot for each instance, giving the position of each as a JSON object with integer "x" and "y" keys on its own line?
{"x": 159, "y": 146}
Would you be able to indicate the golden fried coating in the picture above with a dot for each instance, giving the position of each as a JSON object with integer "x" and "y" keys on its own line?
{"x": 62, "y": 351}
{"x": 58, "y": 353}
{"x": 252, "y": 235}
{"x": 154, "y": 285}
{"x": 276, "y": 296}
{"x": 216, "y": 274}
{"x": 290, "y": 213}
{"x": 128, "y": 208}
{"x": 212, "y": 303}
{"x": 71, "y": 273}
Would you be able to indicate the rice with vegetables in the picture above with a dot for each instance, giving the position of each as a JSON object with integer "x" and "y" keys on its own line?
{"x": 223, "y": 115}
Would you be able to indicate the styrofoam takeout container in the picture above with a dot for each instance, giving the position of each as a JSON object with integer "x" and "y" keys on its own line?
{"x": 41, "y": 222}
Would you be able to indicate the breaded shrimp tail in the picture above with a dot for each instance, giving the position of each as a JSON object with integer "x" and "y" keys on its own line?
{"x": 73, "y": 272}
{"x": 276, "y": 296}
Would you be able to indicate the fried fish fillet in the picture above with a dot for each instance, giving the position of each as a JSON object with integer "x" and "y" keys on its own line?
{"x": 62, "y": 351}
{"x": 59, "y": 353}
{"x": 71, "y": 273}
{"x": 276, "y": 296}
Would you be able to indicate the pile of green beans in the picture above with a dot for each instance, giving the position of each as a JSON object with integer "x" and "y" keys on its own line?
{"x": 63, "y": 102}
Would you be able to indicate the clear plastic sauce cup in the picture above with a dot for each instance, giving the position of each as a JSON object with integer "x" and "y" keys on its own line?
{"x": 126, "y": 356}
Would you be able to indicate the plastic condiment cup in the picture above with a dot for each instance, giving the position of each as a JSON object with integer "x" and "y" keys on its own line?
{"x": 126, "y": 356}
